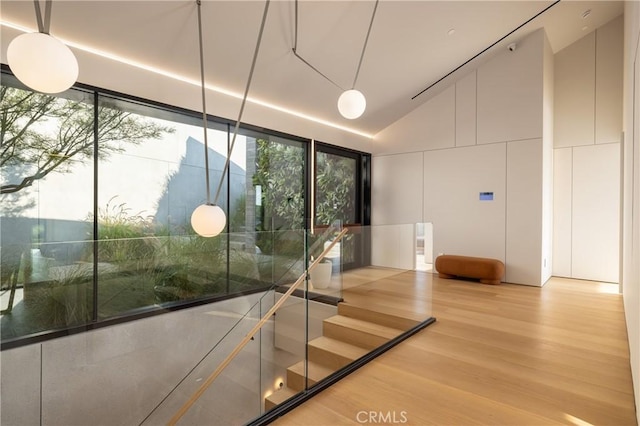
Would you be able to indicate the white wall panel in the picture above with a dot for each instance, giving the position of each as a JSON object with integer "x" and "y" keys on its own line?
{"x": 20, "y": 385}
{"x": 466, "y": 111}
{"x": 394, "y": 246}
{"x": 524, "y": 212}
{"x": 574, "y": 101}
{"x": 631, "y": 234}
{"x": 439, "y": 120}
{"x": 547, "y": 164}
{"x": 596, "y": 212}
{"x": 562, "y": 200}
{"x": 608, "y": 84}
{"x": 510, "y": 93}
{"x": 396, "y": 190}
{"x": 430, "y": 126}
{"x": 428, "y": 243}
{"x": 462, "y": 224}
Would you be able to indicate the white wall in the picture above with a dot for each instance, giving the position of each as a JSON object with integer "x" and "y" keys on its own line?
{"x": 574, "y": 95}
{"x": 394, "y": 246}
{"x": 631, "y": 191}
{"x": 396, "y": 193}
{"x": 547, "y": 161}
{"x": 595, "y": 214}
{"x": 397, "y": 188}
{"x": 562, "y": 211}
{"x": 430, "y": 126}
{"x": 510, "y": 93}
{"x": 524, "y": 210}
{"x": 453, "y": 179}
{"x": 588, "y": 125}
{"x": 459, "y": 140}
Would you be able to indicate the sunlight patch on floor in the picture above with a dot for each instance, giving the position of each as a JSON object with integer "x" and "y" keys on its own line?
{"x": 609, "y": 288}
{"x": 576, "y": 421}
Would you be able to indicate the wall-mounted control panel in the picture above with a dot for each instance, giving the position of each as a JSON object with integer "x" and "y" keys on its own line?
{"x": 486, "y": 196}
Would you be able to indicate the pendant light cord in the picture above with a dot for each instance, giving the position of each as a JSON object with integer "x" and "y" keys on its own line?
{"x": 295, "y": 51}
{"x": 244, "y": 100}
{"x": 366, "y": 40}
{"x": 364, "y": 48}
{"x": 204, "y": 102}
{"x": 43, "y": 25}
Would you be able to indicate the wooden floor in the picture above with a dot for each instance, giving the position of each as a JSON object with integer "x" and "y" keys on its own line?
{"x": 497, "y": 355}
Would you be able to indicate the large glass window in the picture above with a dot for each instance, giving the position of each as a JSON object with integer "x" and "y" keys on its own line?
{"x": 272, "y": 219}
{"x": 147, "y": 189}
{"x": 46, "y": 193}
{"x": 340, "y": 195}
{"x": 96, "y": 197}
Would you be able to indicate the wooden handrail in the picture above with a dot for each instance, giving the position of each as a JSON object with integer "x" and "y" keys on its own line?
{"x": 205, "y": 385}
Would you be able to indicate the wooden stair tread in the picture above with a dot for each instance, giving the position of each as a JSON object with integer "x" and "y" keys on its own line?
{"x": 297, "y": 380}
{"x": 420, "y": 310}
{"x": 368, "y": 318}
{"x": 278, "y": 397}
{"x": 334, "y": 353}
{"x": 338, "y": 347}
{"x": 316, "y": 372}
{"x": 365, "y": 326}
{"x": 358, "y": 332}
{"x": 379, "y": 314}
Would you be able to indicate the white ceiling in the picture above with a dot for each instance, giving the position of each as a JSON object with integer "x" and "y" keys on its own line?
{"x": 409, "y": 47}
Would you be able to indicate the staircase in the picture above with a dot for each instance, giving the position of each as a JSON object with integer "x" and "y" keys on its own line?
{"x": 358, "y": 328}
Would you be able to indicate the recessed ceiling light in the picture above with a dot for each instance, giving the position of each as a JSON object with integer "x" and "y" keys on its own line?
{"x": 585, "y": 28}
{"x": 586, "y": 13}
{"x": 452, "y": 31}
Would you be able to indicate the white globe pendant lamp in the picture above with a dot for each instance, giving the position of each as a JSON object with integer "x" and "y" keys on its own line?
{"x": 352, "y": 104}
{"x": 40, "y": 61}
{"x": 209, "y": 219}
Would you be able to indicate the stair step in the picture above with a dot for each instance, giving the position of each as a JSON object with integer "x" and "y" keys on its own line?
{"x": 296, "y": 375}
{"x": 358, "y": 332}
{"x": 378, "y": 315}
{"x": 333, "y": 353}
{"x": 278, "y": 397}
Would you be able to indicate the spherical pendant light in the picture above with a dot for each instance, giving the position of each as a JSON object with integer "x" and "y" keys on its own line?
{"x": 42, "y": 62}
{"x": 351, "y": 104}
{"x": 208, "y": 220}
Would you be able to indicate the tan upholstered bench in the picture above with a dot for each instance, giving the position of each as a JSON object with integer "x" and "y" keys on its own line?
{"x": 488, "y": 271}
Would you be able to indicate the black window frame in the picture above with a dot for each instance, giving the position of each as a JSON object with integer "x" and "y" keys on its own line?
{"x": 193, "y": 117}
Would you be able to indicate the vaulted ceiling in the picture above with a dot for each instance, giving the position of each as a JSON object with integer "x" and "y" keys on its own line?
{"x": 411, "y": 45}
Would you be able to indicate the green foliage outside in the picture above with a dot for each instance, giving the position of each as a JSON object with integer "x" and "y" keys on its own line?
{"x": 279, "y": 172}
{"x": 335, "y": 189}
{"x": 34, "y": 149}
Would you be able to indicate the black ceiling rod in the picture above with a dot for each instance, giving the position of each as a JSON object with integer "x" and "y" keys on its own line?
{"x": 295, "y": 51}
{"x": 487, "y": 48}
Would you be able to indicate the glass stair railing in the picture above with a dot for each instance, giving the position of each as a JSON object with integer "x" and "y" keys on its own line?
{"x": 244, "y": 363}
{"x": 242, "y": 359}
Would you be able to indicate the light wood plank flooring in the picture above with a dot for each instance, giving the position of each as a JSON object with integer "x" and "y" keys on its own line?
{"x": 497, "y": 355}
